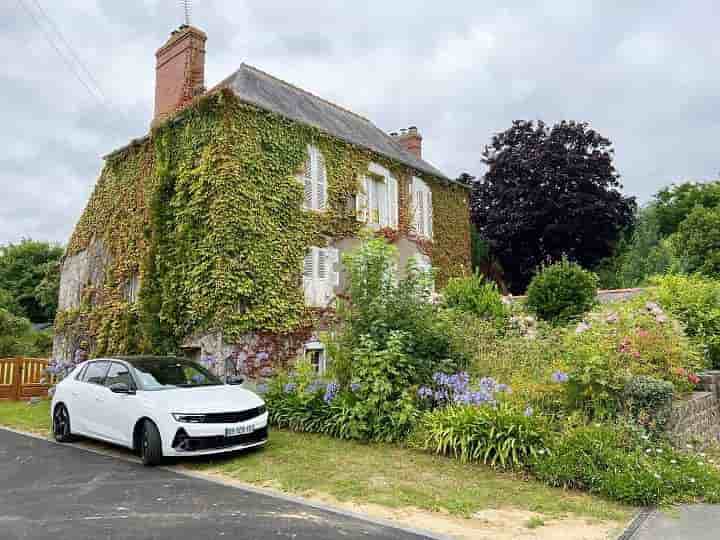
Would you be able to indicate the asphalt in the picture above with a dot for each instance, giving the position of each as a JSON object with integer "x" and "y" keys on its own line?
{"x": 696, "y": 522}
{"x": 50, "y": 491}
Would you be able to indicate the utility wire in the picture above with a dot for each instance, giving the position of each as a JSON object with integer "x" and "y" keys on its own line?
{"x": 65, "y": 59}
{"x": 70, "y": 48}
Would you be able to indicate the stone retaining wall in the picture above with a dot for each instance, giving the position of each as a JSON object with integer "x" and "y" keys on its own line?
{"x": 696, "y": 420}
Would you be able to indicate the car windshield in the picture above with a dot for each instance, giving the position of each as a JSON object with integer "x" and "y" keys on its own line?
{"x": 167, "y": 373}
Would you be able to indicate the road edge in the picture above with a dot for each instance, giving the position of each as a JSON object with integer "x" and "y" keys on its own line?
{"x": 638, "y": 521}
{"x": 236, "y": 484}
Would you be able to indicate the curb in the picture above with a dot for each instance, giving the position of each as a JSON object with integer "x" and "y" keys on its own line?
{"x": 638, "y": 521}
{"x": 181, "y": 471}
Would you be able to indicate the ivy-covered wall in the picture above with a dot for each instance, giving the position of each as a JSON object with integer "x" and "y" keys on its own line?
{"x": 206, "y": 215}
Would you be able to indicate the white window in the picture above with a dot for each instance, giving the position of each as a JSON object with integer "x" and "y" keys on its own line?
{"x": 315, "y": 354}
{"x": 132, "y": 288}
{"x": 320, "y": 276}
{"x": 422, "y": 208}
{"x": 314, "y": 179}
{"x": 377, "y": 198}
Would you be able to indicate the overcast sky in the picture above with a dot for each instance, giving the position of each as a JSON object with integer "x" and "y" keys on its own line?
{"x": 646, "y": 74}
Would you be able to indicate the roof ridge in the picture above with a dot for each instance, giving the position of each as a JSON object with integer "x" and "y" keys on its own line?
{"x": 314, "y": 96}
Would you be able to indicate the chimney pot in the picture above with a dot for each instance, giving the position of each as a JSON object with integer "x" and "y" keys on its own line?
{"x": 180, "y": 71}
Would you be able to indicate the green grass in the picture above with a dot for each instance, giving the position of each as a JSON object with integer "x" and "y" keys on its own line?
{"x": 397, "y": 477}
{"x": 534, "y": 522}
{"x": 387, "y": 475}
{"x": 26, "y": 417}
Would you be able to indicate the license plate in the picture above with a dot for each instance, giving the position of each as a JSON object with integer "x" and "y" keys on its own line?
{"x": 239, "y": 430}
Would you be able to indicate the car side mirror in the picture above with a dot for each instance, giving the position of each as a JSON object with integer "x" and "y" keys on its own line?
{"x": 234, "y": 380}
{"x": 121, "y": 388}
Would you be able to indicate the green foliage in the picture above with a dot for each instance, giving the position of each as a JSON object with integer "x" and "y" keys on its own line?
{"x": 17, "y": 337}
{"x": 500, "y": 436}
{"x": 674, "y": 204}
{"x": 697, "y": 242}
{"x": 29, "y": 270}
{"x": 473, "y": 294}
{"x": 562, "y": 291}
{"x": 695, "y": 301}
{"x": 649, "y": 402}
{"x": 614, "y": 462}
{"x": 379, "y": 304}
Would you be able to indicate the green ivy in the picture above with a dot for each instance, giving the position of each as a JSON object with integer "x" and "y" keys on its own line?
{"x": 206, "y": 212}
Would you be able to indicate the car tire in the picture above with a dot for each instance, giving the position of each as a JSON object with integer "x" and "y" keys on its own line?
{"x": 150, "y": 445}
{"x": 61, "y": 424}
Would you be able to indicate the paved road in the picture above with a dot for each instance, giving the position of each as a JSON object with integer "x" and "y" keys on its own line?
{"x": 697, "y": 522}
{"x": 57, "y": 492}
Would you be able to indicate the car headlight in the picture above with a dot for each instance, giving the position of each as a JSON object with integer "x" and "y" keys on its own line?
{"x": 262, "y": 409}
{"x": 189, "y": 418}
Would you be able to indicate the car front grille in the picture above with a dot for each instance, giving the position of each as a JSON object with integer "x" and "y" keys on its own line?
{"x": 233, "y": 417}
{"x": 183, "y": 443}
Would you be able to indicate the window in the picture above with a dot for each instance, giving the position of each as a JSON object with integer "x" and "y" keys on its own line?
{"x": 314, "y": 178}
{"x": 118, "y": 373}
{"x": 422, "y": 208}
{"x": 315, "y": 354}
{"x": 320, "y": 276}
{"x": 377, "y": 198}
{"x": 131, "y": 288}
{"x": 161, "y": 374}
{"x": 95, "y": 372}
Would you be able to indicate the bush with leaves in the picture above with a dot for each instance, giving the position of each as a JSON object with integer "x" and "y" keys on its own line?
{"x": 378, "y": 303}
{"x": 475, "y": 295}
{"x": 695, "y": 301}
{"x": 500, "y": 436}
{"x": 648, "y": 401}
{"x": 617, "y": 462}
{"x": 562, "y": 292}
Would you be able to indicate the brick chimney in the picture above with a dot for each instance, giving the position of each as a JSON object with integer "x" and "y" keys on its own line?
{"x": 180, "y": 71}
{"x": 410, "y": 139}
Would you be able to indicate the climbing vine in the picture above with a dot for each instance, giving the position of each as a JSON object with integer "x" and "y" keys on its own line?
{"x": 206, "y": 215}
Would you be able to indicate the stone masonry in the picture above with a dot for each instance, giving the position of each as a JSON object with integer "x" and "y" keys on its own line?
{"x": 696, "y": 420}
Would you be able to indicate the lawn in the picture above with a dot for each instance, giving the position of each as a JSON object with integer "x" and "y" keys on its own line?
{"x": 386, "y": 475}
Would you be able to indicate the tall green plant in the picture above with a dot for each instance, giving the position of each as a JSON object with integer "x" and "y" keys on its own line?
{"x": 562, "y": 291}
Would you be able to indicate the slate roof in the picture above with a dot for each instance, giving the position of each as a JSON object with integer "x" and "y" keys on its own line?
{"x": 258, "y": 88}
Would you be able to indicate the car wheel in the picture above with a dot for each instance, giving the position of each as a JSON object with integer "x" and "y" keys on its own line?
{"x": 150, "y": 444}
{"x": 61, "y": 424}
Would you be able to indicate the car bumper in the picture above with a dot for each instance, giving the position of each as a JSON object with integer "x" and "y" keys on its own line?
{"x": 203, "y": 439}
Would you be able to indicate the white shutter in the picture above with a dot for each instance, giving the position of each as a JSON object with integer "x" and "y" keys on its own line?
{"x": 320, "y": 181}
{"x": 392, "y": 193}
{"x": 429, "y": 213}
{"x": 362, "y": 200}
{"x": 322, "y": 266}
{"x": 309, "y": 284}
{"x": 308, "y": 265}
{"x": 334, "y": 260}
{"x": 307, "y": 181}
{"x": 382, "y": 202}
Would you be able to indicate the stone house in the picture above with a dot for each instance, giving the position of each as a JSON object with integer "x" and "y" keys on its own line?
{"x": 221, "y": 232}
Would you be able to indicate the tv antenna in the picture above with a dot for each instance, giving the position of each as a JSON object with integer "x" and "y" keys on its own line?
{"x": 187, "y": 7}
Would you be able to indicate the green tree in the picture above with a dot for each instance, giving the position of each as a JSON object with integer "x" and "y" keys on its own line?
{"x": 697, "y": 242}
{"x": 29, "y": 271}
{"x": 674, "y": 203}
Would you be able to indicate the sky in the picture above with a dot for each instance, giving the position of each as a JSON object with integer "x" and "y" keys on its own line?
{"x": 645, "y": 74}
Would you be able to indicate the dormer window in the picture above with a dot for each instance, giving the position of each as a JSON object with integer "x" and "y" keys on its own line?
{"x": 377, "y": 198}
{"x": 314, "y": 179}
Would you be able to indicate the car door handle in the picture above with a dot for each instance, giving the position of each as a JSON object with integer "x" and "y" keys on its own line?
{"x": 76, "y": 394}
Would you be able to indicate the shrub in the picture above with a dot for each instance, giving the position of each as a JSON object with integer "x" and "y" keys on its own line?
{"x": 501, "y": 436}
{"x": 694, "y": 300}
{"x": 697, "y": 242}
{"x": 562, "y": 291}
{"x": 615, "y": 462}
{"x": 649, "y": 402}
{"x": 473, "y": 294}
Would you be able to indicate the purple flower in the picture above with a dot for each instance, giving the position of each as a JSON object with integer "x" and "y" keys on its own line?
{"x": 314, "y": 387}
{"x": 502, "y": 387}
{"x": 262, "y": 356}
{"x": 488, "y": 384}
{"x": 267, "y": 371}
{"x": 331, "y": 391}
{"x": 289, "y": 388}
{"x": 261, "y": 388}
{"x": 354, "y": 387}
{"x": 559, "y": 377}
{"x": 425, "y": 392}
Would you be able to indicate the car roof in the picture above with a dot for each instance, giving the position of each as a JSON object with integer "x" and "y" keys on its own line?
{"x": 145, "y": 359}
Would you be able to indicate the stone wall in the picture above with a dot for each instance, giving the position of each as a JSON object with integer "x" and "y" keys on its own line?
{"x": 696, "y": 420}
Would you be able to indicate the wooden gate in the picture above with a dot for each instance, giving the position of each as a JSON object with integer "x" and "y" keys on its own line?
{"x": 23, "y": 378}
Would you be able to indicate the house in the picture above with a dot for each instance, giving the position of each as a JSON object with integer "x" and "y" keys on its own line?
{"x": 221, "y": 232}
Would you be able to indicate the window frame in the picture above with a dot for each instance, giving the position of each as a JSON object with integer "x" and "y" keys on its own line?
{"x": 315, "y": 347}
{"x": 387, "y": 209}
{"x": 98, "y": 361}
{"x": 422, "y": 210}
{"x": 133, "y": 385}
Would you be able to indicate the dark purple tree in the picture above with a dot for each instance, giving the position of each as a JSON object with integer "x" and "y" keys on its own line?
{"x": 549, "y": 192}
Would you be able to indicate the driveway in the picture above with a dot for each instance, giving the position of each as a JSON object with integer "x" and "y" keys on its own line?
{"x": 696, "y": 522}
{"x": 50, "y": 491}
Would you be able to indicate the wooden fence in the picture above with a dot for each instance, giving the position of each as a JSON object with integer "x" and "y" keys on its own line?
{"x": 24, "y": 378}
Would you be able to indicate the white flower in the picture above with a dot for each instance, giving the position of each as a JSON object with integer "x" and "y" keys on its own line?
{"x": 582, "y": 327}
{"x": 702, "y": 454}
{"x": 689, "y": 446}
{"x": 541, "y": 451}
{"x": 692, "y": 480}
{"x": 657, "y": 476}
{"x": 646, "y": 437}
{"x": 673, "y": 461}
{"x": 659, "y": 450}
{"x": 648, "y": 450}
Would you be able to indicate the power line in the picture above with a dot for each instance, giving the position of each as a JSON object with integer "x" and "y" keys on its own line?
{"x": 70, "y": 48}
{"x": 67, "y": 61}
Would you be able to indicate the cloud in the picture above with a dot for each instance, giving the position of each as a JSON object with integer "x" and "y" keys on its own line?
{"x": 642, "y": 73}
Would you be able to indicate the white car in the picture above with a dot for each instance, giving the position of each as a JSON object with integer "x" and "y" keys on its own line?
{"x": 158, "y": 406}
